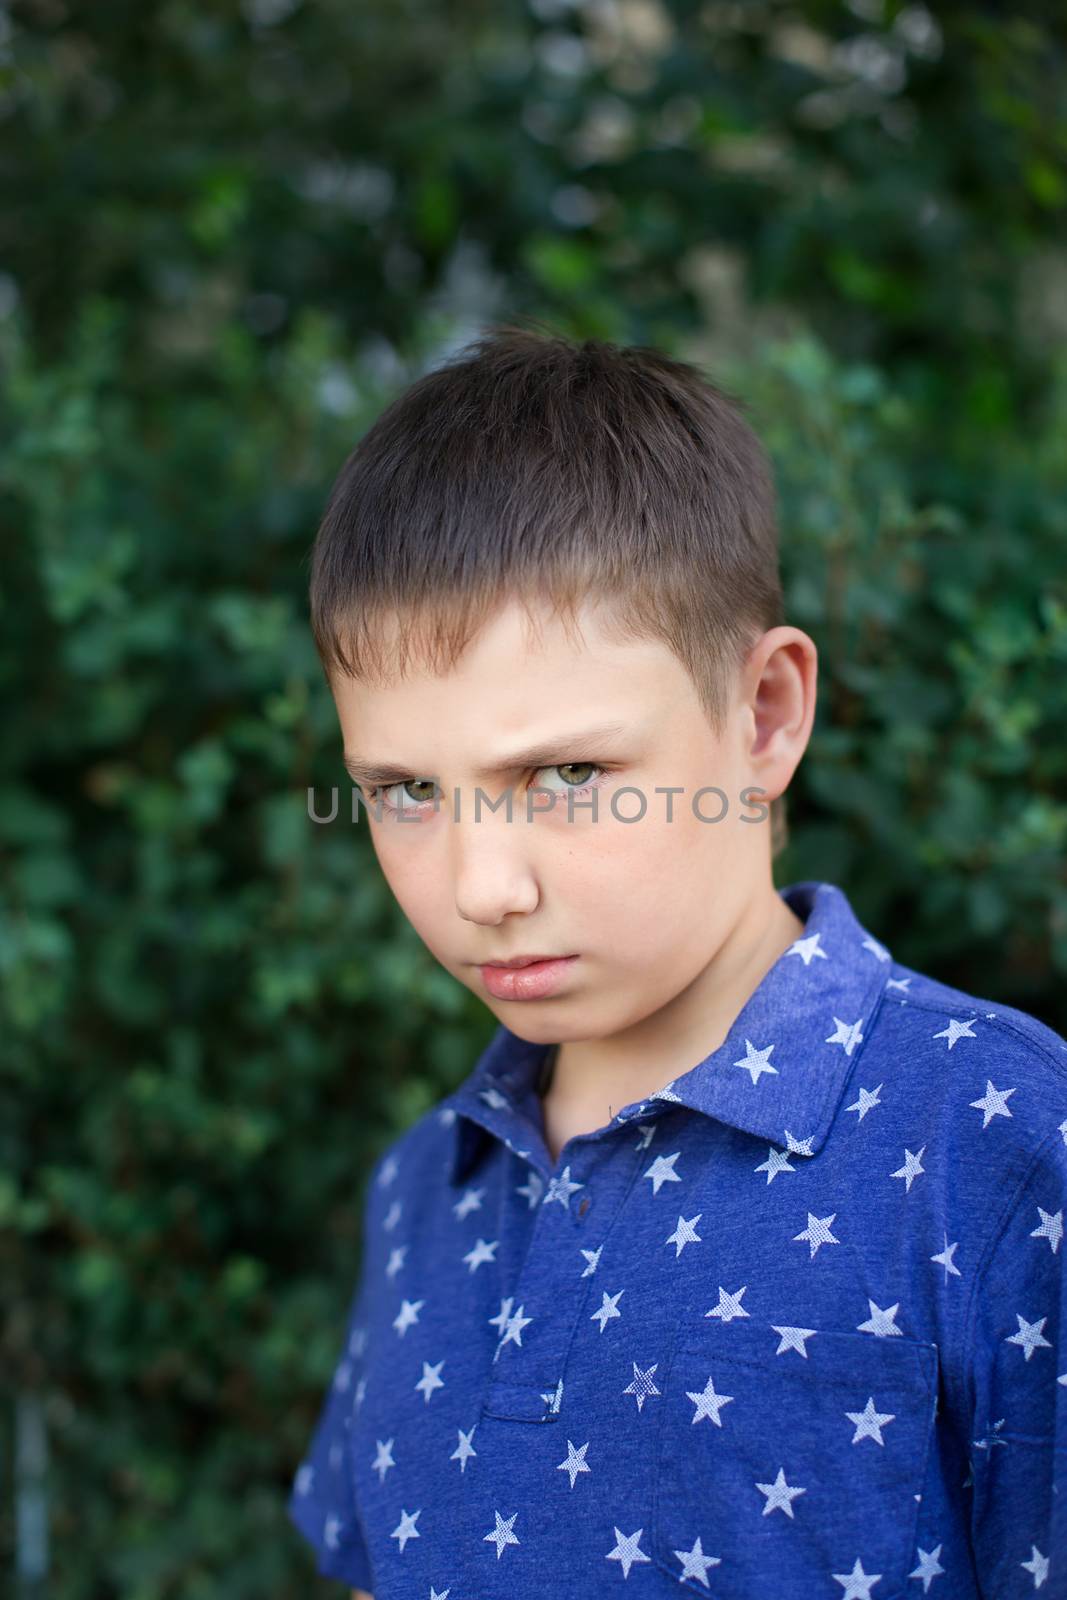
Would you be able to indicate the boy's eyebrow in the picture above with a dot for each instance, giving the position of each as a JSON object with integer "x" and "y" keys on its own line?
{"x": 539, "y": 755}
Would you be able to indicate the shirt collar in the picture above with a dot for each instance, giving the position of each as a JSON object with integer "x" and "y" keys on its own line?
{"x": 780, "y": 1072}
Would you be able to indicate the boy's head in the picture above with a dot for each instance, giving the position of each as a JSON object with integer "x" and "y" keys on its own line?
{"x": 536, "y": 540}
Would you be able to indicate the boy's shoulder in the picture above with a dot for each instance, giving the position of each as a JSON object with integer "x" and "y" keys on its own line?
{"x": 1001, "y": 1032}
{"x": 982, "y": 1062}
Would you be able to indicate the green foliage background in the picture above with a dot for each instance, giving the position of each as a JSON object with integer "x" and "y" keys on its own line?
{"x": 230, "y": 234}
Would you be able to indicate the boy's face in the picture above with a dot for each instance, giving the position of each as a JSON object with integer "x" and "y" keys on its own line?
{"x": 645, "y": 905}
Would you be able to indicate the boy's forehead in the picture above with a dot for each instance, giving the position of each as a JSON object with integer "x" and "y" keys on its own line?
{"x": 512, "y": 688}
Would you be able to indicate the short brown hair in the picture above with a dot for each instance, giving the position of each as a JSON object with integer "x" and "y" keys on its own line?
{"x": 532, "y": 468}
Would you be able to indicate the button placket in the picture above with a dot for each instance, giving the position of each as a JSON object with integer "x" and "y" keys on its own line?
{"x": 511, "y": 1395}
{"x": 550, "y": 1280}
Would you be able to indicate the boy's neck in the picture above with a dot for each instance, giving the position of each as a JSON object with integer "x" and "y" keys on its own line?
{"x": 587, "y": 1080}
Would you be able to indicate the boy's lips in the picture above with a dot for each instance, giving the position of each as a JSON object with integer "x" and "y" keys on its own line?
{"x": 525, "y": 979}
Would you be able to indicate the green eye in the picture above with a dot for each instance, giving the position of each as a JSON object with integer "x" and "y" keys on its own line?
{"x": 382, "y": 793}
{"x": 581, "y": 766}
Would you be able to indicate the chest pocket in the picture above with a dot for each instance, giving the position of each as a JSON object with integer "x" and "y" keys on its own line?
{"x": 784, "y": 1473}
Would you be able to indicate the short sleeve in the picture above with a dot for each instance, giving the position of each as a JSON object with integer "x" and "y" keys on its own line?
{"x": 1018, "y": 1444}
{"x": 321, "y": 1504}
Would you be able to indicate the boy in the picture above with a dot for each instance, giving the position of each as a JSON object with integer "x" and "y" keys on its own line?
{"x": 736, "y": 1261}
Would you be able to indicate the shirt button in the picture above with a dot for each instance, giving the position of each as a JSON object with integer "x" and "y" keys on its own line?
{"x": 583, "y": 1205}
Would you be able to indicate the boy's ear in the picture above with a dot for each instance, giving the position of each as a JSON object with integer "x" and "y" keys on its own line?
{"x": 781, "y": 678}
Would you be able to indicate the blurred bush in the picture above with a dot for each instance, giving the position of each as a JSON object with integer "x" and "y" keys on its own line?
{"x": 231, "y": 235}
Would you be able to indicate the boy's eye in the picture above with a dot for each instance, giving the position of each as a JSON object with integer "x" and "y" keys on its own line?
{"x": 398, "y": 796}
{"x": 566, "y": 767}
{"x": 406, "y": 800}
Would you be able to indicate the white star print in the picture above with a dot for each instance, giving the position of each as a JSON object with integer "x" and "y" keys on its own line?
{"x": 502, "y": 1534}
{"x": 695, "y": 1563}
{"x": 993, "y": 1103}
{"x": 857, "y": 1583}
{"x": 929, "y": 1567}
{"x": 1038, "y": 1565}
{"x": 818, "y": 1232}
{"x": 575, "y": 1461}
{"x": 513, "y": 1329}
{"x": 408, "y": 1315}
{"x": 880, "y": 1322}
{"x": 609, "y": 1308}
{"x": 1050, "y": 1228}
{"x": 897, "y": 983}
{"x": 992, "y": 1438}
{"x": 807, "y": 949}
{"x": 641, "y": 1385}
{"x": 708, "y": 1403}
{"x": 777, "y": 1161}
{"x": 662, "y": 1171}
{"x": 430, "y": 1379}
{"x": 472, "y": 1201}
{"x": 305, "y": 1479}
{"x": 645, "y": 1137}
{"x": 396, "y": 1260}
{"x": 780, "y": 1496}
{"x": 532, "y": 1189}
{"x": 405, "y": 1528}
{"x": 481, "y": 1252}
{"x": 869, "y": 1422}
{"x": 555, "y": 1397}
{"x": 729, "y": 1305}
{"x": 464, "y": 1449}
{"x": 944, "y": 1257}
{"x": 876, "y": 949}
{"x": 847, "y": 1034}
{"x": 561, "y": 1189}
{"x": 1029, "y": 1336}
{"x": 799, "y": 1147}
{"x": 332, "y": 1532}
{"x": 388, "y": 1172}
{"x": 442, "y": 1596}
{"x": 793, "y": 1339}
{"x": 627, "y": 1550}
{"x": 495, "y": 1099}
{"x": 383, "y": 1460}
{"x": 911, "y": 1168}
{"x": 956, "y": 1030}
{"x": 593, "y": 1259}
{"x": 755, "y": 1061}
{"x": 499, "y": 1322}
{"x": 685, "y": 1233}
{"x": 868, "y": 1098}
{"x": 392, "y": 1216}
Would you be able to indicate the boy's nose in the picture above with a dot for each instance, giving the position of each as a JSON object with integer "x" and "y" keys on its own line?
{"x": 492, "y": 871}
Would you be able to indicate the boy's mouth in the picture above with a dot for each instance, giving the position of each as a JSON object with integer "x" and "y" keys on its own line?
{"x": 525, "y": 978}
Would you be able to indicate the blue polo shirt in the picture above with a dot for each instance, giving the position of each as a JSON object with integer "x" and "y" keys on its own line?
{"x": 792, "y": 1327}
